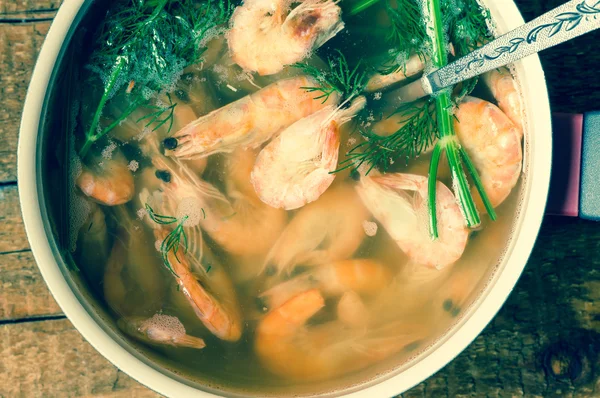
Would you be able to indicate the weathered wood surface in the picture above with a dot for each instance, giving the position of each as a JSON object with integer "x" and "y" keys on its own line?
{"x": 12, "y": 234}
{"x": 19, "y": 45}
{"x": 51, "y": 359}
{"x": 544, "y": 342}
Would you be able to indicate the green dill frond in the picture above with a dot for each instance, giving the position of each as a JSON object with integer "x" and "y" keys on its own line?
{"x": 154, "y": 118}
{"x": 159, "y": 218}
{"x": 172, "y": 242}
{"x": 407, "y": 34}
{"x": 468, "y": 29}
{"x": 174, "y": 239}
{"x": 148, "y": 43}
{"x": 339, "y": 77}
{"x": 417, "y": 130}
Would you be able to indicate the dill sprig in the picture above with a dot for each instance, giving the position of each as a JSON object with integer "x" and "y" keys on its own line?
{"x": 159, "y": 218}
{"x": 155, "y": 116}
{"x": 142, "y": 47}
{"x": 467, "y": 29}
{"x": 465, "y": 24}
{"x": 171, "y": 243}
{"x": 448, "y": 142}
{"x": 174, "y": 239}
{"x": 417, "y": 130}
{"x": 407, "y": 35}
{"x": 338, "y": 77}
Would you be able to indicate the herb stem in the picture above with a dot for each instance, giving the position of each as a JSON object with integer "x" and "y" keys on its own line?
{"x": 361, "y": 6}
{"x": 461, "y": 185}
{"x": 91, "y": 136}
{"x": 478, "y": 184}
{"x": 432, "y": 186}
{"x": 448, "y": 140}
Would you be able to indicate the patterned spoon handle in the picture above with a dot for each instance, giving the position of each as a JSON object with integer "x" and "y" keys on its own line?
{"x": 566, "y": 22}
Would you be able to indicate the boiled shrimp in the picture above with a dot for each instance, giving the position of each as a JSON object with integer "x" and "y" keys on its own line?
{"x": 159, "y": 330}
{"x": 352, "y": 311}
{"x": 249, "y": 121}
{"x": 324, "y": 231}
{"x": 108, "y": 182}
{"x": 406, "y": 218}
{"x": 288, "y": 347}
{"x": 267, "y": 35}
{"x": 132, "y": 278}
{"x": 241, "y": 224}
{"x": 296, "y": 167}
{"x": 93, "y": 244}
{"x": 413, "y": 285}
{"x": 504, "y": 89}
{"x": 494, "y": 144}
{"x": 253, "y": 227}
{"x": 362, "y": 276}
{"x": 452, "y": 298}
{"x": 206, "y": 286}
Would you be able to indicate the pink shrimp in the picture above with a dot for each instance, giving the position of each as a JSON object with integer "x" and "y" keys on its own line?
{"x": 267, "y": 35}
{"x": 504, "y": 89}
{"x": 249, "y": 121}
{"x": 288, "y": 347}
{"x": 405, "y": 217}
{"x": 296, "y": 167}
{"x": 494, "y": 144}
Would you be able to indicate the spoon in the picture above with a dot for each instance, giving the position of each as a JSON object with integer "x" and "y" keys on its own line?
{"x": 564, "y": 23}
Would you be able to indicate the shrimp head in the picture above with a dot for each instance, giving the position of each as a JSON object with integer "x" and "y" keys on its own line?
{"x": 267, "y": 35}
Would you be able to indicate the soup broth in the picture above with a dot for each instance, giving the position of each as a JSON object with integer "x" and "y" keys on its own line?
{"x": 249, "y": 203}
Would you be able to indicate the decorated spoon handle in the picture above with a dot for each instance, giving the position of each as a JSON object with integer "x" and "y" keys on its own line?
{"x": 566, "y": 22}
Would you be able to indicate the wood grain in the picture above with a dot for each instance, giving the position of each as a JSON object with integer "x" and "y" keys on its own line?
{"x": 12, "y": 233}
{"x": 23, "y": 292}
{"x": 51, "y": 359}
{"x": 19, "y": 46}
{"x": 12, "y": 8}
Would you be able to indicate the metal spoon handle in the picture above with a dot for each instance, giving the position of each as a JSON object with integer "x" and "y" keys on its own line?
{"x": 566, "y": 22}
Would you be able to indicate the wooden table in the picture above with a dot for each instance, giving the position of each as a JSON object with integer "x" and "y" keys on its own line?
{"x": 544, "y": 341}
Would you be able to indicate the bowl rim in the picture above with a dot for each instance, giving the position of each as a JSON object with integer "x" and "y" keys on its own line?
{"x": 485, "y": 308}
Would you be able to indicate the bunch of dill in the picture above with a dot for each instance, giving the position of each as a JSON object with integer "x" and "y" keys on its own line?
{"x": 143, "y": 47}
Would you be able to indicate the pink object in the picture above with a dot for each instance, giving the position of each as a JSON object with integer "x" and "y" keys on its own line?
{"x": 563, "y": 198}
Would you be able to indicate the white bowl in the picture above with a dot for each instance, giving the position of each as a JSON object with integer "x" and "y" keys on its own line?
{"x": 533, "y": 194}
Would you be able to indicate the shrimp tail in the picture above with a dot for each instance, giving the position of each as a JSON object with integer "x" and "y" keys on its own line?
{"x": 189, "y": 341}
{"x": 399, "y": 181}
{"x": 292, "y": 314}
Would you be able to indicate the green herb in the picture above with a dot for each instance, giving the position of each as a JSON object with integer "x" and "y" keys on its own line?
{"x": 417, "y": 130}
{"x": 175, "y": 238}
{"x": 448, "y": 141}
{"x": 338, "y": 78}
{"x": 158, "y": 218}
{"x": 155, "y": 117}
{"x": 467, "y": 24}
{"x": 171, "y": 243}
{"x": 143, "y": 46}
{"x": 468, "y": 28}
{"x": 407, "y": 34}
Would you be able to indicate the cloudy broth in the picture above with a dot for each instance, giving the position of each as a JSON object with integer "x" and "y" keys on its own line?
{"x": 210, "y": 268}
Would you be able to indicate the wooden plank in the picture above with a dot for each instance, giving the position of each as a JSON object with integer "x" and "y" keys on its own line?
{"x": 12, "y": 233}
{"x": 23, "y": 292}
{"x": 10, "y": 8}
{"x": 19, "y": 47}
{"x": 51, "y": 359}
